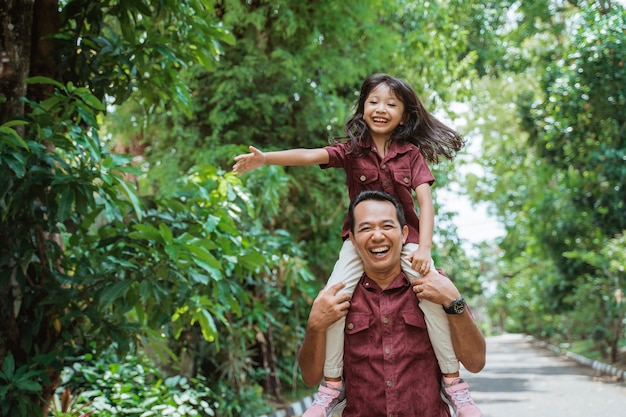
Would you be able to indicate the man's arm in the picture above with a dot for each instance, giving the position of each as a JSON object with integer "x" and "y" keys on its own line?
{"x": 327, "y": 308}
{"x": 467, "y": 339}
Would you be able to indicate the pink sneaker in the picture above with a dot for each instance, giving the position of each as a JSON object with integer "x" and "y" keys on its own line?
{"x": 329, "y": 401}
{"x": 458, "y": 397}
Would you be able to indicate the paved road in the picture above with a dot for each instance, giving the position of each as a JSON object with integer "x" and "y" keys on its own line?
{"x": 521, "y": 380}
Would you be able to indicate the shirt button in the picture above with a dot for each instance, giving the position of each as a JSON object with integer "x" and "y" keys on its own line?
{"x": 388, "y": 351}
{"x": 383, "y": 166}
{"x": 406, "y": 180}
{"x": 362, "y": 177}
{"x": 351, "y": 326}
{"x": 386, "y": 320}
{"x": 386, "y": 184}
{"x": 389, "y": 383}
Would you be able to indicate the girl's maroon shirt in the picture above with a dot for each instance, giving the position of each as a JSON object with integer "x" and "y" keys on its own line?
{"x": 399, "y": 173}
{"x": 390, "y": 367}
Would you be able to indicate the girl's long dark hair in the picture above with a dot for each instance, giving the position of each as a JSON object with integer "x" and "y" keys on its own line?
{"x": 421, "y": 128}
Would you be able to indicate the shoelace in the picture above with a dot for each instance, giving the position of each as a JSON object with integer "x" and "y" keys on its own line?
{"x": 462, "y": 397}
{"x": 323, "y": 399}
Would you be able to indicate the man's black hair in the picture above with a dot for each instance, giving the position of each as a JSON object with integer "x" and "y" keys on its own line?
{"x": 376, "y": 196}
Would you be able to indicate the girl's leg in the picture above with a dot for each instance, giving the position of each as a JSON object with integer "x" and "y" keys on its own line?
{"x": 436, "y": 321}
{"x": 454, "y": 390}
{"x": 349, "y": 269}
{"x": 331, "y": 396}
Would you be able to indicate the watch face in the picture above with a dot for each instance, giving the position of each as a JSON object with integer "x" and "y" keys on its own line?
{"x": 458, "y": 307}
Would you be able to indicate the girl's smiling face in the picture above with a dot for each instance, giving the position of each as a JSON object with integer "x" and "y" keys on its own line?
{"x": 383, "y": 112}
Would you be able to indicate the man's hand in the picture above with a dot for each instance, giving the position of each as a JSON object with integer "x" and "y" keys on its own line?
{"x": 328, "y": 307}
{"x": 436, "y": 288}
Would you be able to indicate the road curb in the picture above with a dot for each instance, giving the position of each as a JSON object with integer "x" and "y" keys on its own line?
{"x": 597, "y": 365}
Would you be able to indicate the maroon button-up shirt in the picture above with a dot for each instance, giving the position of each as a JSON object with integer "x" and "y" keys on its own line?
{"x": 390, "y": 367}
{"x": 401, "y": 170}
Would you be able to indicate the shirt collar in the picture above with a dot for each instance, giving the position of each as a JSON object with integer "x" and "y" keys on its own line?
{"x": 400, "y": 282}
{"x": 395, "y": 148}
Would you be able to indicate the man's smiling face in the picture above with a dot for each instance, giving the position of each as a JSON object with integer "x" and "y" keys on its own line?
{"x": 378, "y": 238}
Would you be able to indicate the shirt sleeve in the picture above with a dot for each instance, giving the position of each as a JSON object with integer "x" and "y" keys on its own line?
{"x": 336, "y": 156}
{"x": 420, "y": 173}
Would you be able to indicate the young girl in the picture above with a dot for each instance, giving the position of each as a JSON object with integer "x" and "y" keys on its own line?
{"x": 388, "y": 141}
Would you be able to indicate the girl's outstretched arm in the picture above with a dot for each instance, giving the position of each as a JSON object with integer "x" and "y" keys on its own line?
{"x": 290, "y": 157}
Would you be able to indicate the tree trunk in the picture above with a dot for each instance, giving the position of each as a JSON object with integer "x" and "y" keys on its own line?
{"x": 26, "y": 50}
{"x": 16, "y": 20}
{"x": 272, "y": 378}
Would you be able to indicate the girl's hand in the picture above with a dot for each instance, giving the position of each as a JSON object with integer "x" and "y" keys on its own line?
{"x": 249, "y": 161}
{"x": 421, "y": 260}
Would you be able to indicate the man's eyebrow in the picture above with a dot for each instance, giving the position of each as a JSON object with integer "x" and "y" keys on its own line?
{"x": 383, "y": 222}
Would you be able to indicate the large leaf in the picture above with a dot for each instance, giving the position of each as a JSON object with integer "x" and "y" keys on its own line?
{"x": 113, "y": 292}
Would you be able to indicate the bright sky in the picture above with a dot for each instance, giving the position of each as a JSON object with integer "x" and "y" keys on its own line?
{"x": 473, "y": 221}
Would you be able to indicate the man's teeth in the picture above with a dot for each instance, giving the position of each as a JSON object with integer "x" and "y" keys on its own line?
{"x": 380, "y": 250}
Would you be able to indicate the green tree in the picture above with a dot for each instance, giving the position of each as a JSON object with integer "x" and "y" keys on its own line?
{"x": 84, "y": 261}
{"x": 555, "y": 172}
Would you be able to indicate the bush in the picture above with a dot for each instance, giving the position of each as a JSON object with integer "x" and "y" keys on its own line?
{"x": 134, "y": 386}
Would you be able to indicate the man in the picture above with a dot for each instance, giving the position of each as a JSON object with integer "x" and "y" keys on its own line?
{"x": 390, "y": 367}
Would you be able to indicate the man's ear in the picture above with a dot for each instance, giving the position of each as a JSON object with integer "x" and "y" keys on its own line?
{"x": 351, "y": 236}
{"x": 405, "y": 233}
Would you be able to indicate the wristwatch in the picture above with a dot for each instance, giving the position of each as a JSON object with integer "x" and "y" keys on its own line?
{"x": 457, "y": 306}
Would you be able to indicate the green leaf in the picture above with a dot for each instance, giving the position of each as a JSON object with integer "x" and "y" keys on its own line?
{"x": 44, "y": 80}
{"x": 132, "y": 196}
{"x": 207, "y": 325}
{"x": 28, "y": 385}
{"x": 89, "y": 98}
{"x": 17, "y": 162}
{"x": 8, "y": 367}
{"x": 146, "y": 231}
{"x": 9, "y": 133}
{"x": 113, "y": 292}
{"x": 14, "y": 122}
{"x": 166, "y": 233}
{"x": 65, "y": 203}
{"x": 205, "y": 260}
{"x": 251, "y": 260}
{"x": 141, "y": 6}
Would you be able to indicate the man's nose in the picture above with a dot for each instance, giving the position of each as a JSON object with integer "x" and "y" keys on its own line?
{"x": 378, "y": 234}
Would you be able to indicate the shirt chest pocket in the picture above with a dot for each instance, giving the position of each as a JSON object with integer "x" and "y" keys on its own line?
{"x": 416, "y": 340}
{"x": 402, "y": 178}
{"x": 365, "y": 178}
{"x": 358, "y": 336}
